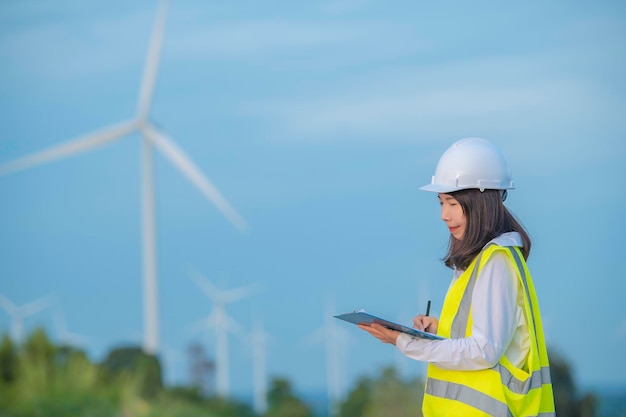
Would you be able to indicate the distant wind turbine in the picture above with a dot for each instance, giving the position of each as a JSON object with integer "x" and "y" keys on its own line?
{"x": 222, "y": 323}
{"x": 152, "y": 137}
{"x": 20, "y": 313}
{"x": 335, "y": 338}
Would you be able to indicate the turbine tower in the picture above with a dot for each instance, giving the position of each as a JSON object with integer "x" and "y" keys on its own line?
{"x": 335, "y": 338}
{"x": 259, "y": 341}
{"x": 20, "y": 313}
{"x": 151, "y": 137}
{"x": 222, "y": 323}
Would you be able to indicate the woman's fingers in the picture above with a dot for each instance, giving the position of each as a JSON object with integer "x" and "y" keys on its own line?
{"x": 420, "y": 322}
{"x": 425, "y": 323}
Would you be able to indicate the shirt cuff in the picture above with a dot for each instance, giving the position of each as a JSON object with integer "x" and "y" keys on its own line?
{"x": 402, "y": 342}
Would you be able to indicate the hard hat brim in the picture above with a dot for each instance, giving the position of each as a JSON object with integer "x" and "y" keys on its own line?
{"x": 438, "y": 188}
{"x": 445, "y": 189}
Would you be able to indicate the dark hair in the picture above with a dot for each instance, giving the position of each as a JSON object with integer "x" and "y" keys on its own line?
{"x": 487, "y": 218}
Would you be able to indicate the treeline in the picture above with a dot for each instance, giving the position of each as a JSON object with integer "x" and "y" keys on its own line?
{"x": 39, "y": 379}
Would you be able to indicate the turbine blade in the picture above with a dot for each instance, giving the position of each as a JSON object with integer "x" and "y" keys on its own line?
{"x": 241, "y": 292}
{"x": 201, "y": 325}
{"x": 207, "y": 286}
{"x": 187, "y": 167}
{"x": 72, "y": 147}
{"x": 38, "y": 305}
{"x": 7, "y": 305}
{"x": 63, "y": 333}
{"x": 152, "y": 63}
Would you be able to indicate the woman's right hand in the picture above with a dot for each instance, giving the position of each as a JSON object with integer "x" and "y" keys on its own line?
{"x": 426, "y": 323}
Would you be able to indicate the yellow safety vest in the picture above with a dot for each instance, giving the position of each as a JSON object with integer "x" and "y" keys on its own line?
{"x": 504, "y": 390}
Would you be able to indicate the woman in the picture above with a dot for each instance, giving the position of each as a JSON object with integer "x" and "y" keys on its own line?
{"x": 493, "y": 360}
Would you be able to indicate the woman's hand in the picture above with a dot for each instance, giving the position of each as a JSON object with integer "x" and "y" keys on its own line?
{"x": 380, "y": 332}
{"x": 426, "y": 323}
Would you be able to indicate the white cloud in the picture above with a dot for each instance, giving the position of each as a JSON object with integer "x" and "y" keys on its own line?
{"x": 418, "y": 100}
{"x": 266, "y": 38}
{"x": 402, "y": 113}
{"x": 62, "y": 47}
{"x": 536, "y": 97}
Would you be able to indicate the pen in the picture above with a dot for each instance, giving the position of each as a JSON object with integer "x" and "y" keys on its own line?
{"x": 427, "y": 313}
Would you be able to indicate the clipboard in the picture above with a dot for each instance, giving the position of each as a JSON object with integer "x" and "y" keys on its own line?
{"x": 361, "y": 316}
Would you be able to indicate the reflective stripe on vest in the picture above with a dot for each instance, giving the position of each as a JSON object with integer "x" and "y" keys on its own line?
{"x": 468, "y": 396}
{"x": 472, "y": 397}
{"x": 459, "y": 324}
{"x": 536, "y": 380}
{"x": 520, "y": 267}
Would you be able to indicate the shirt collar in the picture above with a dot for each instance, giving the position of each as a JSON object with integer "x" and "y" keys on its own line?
{"x": 508, "y": 239}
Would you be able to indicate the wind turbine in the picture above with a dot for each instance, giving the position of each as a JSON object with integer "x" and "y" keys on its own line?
{"x": 20, "y": 313}
{"x": 222, "y": 323}
{"x": 152, "y": 138}
{"x": 335, "y": 338}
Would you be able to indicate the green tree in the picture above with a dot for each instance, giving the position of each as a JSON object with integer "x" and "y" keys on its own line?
{"x": 283, "y": 403}
{"x": 386, "y": 395}
{"x": 133, "y": 361}
{"x": 64, "y": 354}
{"x": 8, "y": 370}
{"x": 8, "y": 360}
{"x": 35, "y": 365}
{"x": 46, "y": 386}
{"x": 567, "y": 401}
{"x": 358, "y": 399}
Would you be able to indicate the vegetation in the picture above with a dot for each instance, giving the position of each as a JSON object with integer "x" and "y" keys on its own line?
{"x": 283, "y": 403}
{"x": 387, "y": 395}
{"x": 38, "y": 379}
{"x": 568, "y": 402}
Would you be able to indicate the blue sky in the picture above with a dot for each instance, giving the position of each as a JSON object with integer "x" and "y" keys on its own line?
{"x": 318, "y": 122}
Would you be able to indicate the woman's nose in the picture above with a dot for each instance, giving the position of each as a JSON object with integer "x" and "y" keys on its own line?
{"x": 444, "y": 214}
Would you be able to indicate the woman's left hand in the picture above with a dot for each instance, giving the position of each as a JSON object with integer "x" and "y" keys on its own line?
{"x": 380, "y": 332}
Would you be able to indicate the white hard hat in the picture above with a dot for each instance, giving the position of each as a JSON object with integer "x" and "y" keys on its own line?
{"x": 471, "y": 163}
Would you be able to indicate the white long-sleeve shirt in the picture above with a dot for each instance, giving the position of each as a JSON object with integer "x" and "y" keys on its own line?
{"x": 498, "y": 323}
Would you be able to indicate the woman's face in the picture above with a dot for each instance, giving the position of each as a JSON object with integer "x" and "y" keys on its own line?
{"x": 453, "y": 216}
